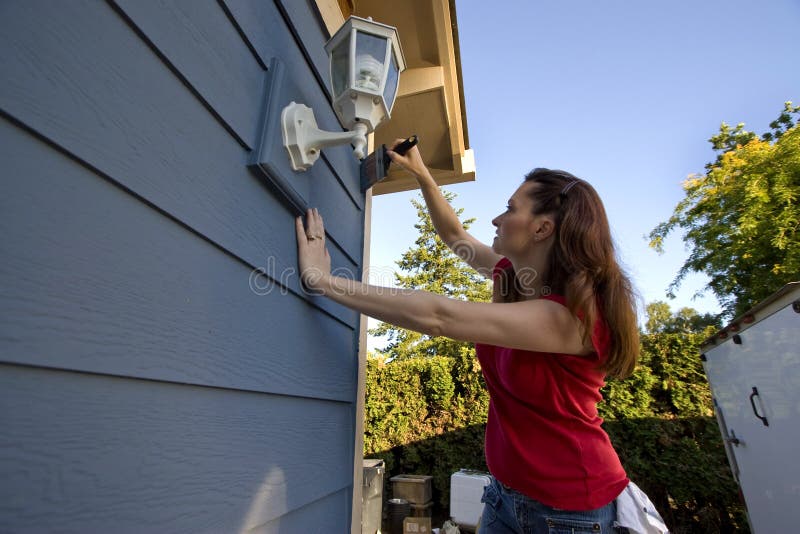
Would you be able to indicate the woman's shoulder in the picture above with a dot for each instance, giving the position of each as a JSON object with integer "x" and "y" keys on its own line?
{"x": 555, "y": 297}
{"x": 601, "y": 335}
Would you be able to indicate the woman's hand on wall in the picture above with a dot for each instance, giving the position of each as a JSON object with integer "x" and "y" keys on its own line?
{"x": 314, "y": 260}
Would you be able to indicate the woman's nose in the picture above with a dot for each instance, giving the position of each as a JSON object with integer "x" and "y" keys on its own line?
{"x": 496, "y": 221}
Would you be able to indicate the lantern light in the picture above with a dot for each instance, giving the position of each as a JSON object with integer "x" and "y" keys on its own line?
{"x": 365, "y": 65}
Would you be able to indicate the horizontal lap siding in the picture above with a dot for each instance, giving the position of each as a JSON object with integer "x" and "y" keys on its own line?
{"x": 85, "y": 81}
{"x": 119, "y": 455}
{"x": 133, "y": 230}
{"x": 98, "y": 281}
{"x": 196, "y": 38}
{"x": 319, "y": 517}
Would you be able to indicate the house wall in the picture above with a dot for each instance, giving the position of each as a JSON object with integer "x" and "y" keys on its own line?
{"x": 161, "y": 369}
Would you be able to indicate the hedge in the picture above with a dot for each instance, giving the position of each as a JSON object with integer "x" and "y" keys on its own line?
{"x": 427, "y": 416}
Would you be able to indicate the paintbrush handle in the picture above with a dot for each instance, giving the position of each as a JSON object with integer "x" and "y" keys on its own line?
{"x": 406, "y": 145}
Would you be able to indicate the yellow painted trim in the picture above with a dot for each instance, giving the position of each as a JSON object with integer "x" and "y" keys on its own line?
{"x": 332, "y": 14}
{"x": 441, "y": 13}
{"x": 420, "y": 80}
{"x": 426, "y": 76}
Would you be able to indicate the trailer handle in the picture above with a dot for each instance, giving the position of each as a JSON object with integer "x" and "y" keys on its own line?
{"x": 732, "y": 439}
{"x": 753, "y": 404}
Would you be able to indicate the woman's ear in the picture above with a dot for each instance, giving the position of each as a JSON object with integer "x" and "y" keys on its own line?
{"x": 545, "y": 226}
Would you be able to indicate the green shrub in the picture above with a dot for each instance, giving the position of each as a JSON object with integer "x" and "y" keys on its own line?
{"x": 426, "y": 416}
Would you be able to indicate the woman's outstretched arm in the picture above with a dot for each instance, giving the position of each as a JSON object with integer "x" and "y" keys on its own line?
{"x": 479, "y": 256}
{"x": 536, "y": 325}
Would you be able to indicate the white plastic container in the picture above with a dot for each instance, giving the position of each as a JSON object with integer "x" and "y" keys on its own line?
{"x": 466, "y": 490}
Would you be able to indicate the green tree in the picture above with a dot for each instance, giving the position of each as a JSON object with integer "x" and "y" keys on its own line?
{"x": 661, "y": 319}
{"x": 742, "y": 217}
{"x": 431, "y": 266}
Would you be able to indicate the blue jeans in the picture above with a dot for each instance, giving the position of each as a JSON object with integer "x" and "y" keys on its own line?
{"x": 507, "y": 511}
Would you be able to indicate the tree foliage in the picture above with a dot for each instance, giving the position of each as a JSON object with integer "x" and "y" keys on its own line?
{"x": 742, "y": 217}
{"x": 431, "y": 266}
{"x": 661, "y": 320}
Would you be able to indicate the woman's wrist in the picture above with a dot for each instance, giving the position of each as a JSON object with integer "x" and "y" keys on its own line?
{"x": 315, "y": 281}
{"x": 337, "y": 288}
{"x": 424, "y": 177}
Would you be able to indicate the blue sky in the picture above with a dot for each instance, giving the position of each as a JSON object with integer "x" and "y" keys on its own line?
{"x": 622, "y": 94}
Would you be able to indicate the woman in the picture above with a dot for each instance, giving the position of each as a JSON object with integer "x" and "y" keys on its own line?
{"x": 562, "y": 318}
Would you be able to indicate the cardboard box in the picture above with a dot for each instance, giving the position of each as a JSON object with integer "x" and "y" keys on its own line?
{"x": 417, "y": 525}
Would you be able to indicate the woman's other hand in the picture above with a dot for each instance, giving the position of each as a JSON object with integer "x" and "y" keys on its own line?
{"x": 313, "y": 260}
{"x": 411, "y": 161}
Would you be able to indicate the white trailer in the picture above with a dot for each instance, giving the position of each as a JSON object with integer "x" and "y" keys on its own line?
{"x": 753, "y": 367}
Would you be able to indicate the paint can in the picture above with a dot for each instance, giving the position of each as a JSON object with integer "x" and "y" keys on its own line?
{"x": 399, "y": 509}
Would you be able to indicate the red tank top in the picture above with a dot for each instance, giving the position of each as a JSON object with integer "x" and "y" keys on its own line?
{"x": 543, "y": 435}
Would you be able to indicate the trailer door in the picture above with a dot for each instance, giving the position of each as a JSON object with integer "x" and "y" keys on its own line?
{"x": 755, "y": 381}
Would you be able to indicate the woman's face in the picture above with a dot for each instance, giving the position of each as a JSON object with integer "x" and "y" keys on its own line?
{"x": 517, "y": 227}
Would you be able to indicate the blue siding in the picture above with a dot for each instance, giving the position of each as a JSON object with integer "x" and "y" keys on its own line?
{"x": 88, "y": 453}
{"x": 91, "y": 263}
{"x": 201, "y": 45}
{"x": 144, "y": 384}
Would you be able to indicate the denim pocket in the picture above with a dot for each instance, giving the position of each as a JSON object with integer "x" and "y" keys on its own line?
{"x": 491, "y": 501}
{"x": 560, "y": 525}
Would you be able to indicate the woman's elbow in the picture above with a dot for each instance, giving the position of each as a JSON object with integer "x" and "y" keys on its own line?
{"x": 434, "y": 330}
{"x": 435, "y": 324}
{"x": 429, "y": 326}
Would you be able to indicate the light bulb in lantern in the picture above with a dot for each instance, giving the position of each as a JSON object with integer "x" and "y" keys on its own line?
{"x": 368, "y": 72}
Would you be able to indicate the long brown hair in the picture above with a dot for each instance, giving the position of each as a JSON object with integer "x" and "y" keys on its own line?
{"x": 583, "y": 265}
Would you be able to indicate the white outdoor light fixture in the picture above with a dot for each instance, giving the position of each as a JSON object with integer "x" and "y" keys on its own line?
{"x": 365, "y": 63}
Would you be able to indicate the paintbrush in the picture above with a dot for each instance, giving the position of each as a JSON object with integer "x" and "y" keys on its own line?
{"x": 375, "y": 166}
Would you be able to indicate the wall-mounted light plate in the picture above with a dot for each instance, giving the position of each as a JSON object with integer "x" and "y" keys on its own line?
{"x": 270, "y": 159}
